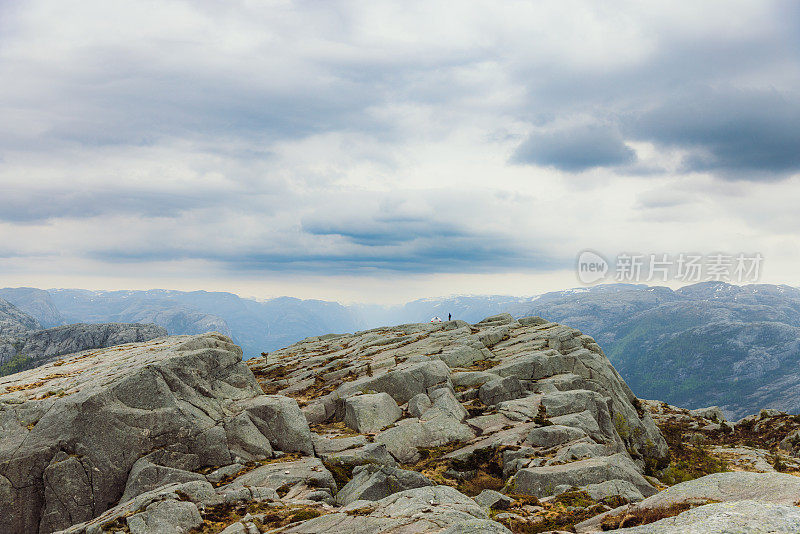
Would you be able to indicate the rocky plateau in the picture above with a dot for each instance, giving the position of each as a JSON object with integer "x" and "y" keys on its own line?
{"x": 506, "y": 425}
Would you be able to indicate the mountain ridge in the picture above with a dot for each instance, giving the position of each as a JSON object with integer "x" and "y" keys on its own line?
{"x": 685, "y": 332}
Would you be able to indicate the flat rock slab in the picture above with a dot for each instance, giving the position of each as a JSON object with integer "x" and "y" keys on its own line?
{"x": 371, "y": 412}
{"x": 742, "y": 517}
{"x": 512, "y": 436}
{"x": 543, "y": 481}
{"x": 372, "y": 453}
{"x": 324, "y": 445}
{"x": 553, "y": 435}
{"x": 403, "y": 440}
{"x": 374, "y": 482}
{"x": 309, "y": 471}
{"x": 501, "y": 389}
{"x": 610, "y": 488}
{"x": 776, "y": 488}
{"x": 430, "y": 509}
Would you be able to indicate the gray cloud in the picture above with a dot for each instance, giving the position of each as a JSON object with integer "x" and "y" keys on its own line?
{"x": 729, "y": 100}
{"x": 742, "y": 134}
{"x": 93, "y": 126}
{"x": 575, "y": 148}
{"x": 361, "y": 252}
{"x": 35, "y": 206}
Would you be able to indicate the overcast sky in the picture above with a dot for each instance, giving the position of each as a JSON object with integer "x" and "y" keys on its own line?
{"x": 383, "y": 151}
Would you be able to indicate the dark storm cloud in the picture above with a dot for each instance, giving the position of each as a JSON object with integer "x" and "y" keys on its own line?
{"x": 124, "y": 95}
{"x": 736, "y": 133}
{"x": 575, "y": 148}
{"x": 385, "y": 231}
{"x": 439, "y": 252}
{"x": 730, "y": 102}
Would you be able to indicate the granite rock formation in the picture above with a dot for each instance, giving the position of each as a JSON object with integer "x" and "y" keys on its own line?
{"x": 501, "y": 426}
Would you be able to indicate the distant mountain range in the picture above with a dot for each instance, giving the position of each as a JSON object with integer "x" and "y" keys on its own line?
{"x": 256, "y": 326}
{"x": 709, "y": 343}
{"x": 25, "y": 343}
{"x": 705, "y": 344}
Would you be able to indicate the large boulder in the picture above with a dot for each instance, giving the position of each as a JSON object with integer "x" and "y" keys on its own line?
{"x": 75, "y": 428}
{"x": 402, "y": 382}
{"x": 444, "y": 403}
{"x": 523, "y": 409}
{"x": 493, "y": 499}
{"x": 372, "y": 453}
{"x": 145, "y": 475}
{"x": 324, "y": 446}
{"x": 247, "y": 443}
{"x": 173, "y": 508}
{"x": 280, "y": 420}
{"x": 165, "y": 516}
{"x": 584, "y": 422}
{"x": 374, "y": 482}
{"x": 408, "y": 380}
{"x": 463, "y": 355}
{"x": 404, "y": 440}
{"x": 472, "y": 378}
{"x": 308, "y": 471}
{"x": 418, "y": 404}
{"x": 553, "y": 435}
{"x": 543, "y": 481}
{"x": 611, "y": 488}
{"x": 501, "y": 389}
{"x": 371, "y": 413}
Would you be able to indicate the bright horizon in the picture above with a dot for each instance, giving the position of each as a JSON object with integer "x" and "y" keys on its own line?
{"x": 401, "y": 298}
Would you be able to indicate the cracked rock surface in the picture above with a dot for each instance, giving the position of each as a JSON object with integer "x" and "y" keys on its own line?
{"x": 393, "y": 429}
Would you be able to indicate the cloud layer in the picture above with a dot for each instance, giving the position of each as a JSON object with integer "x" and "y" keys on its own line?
{"x": 314, "y": 139}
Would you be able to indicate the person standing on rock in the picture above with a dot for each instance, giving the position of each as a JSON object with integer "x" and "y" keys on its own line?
{"x": 449, "y": 316}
